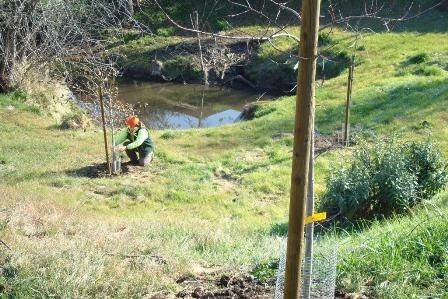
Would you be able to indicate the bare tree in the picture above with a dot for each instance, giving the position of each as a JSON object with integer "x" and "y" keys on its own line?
{"x": 41, "y": 35}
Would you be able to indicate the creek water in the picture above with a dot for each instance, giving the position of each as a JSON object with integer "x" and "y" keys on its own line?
{"x": 178, "y": 106}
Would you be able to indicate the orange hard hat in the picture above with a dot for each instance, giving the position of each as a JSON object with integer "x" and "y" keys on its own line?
{"x": 132, "y": 121}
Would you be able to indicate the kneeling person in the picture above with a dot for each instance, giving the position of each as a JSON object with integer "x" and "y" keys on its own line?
{"x": 135, "y": 140}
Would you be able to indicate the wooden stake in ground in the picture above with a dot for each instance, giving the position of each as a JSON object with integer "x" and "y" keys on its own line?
{"x": 103, "y": 119}
{"x": 349, "y": 101}
{"x": 301, "y": 152}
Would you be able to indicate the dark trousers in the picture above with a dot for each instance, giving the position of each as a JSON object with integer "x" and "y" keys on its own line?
{"x": 138, "y": 157}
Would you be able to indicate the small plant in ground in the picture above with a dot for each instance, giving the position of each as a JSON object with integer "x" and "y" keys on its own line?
{"x": 266, "y": 271}
{"x": 386, "y": 179}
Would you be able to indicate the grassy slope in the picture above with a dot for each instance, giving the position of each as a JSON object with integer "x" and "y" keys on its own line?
{"x": 212, "y": 196}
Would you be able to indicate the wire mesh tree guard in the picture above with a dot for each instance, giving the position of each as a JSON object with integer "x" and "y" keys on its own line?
{"x": 323, "y": 276}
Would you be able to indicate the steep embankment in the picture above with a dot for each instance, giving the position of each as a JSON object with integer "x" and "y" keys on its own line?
{"x": 216, "y": 199}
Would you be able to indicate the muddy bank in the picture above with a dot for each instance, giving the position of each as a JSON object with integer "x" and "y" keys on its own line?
{"x": 225, "y": 63}
{"x": 238, "y": 64}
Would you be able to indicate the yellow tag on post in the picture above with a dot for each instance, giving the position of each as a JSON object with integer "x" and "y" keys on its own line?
{"x": 316, "y": 217}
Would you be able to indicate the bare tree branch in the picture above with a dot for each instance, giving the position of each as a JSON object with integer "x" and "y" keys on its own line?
{"x": 213, "y": 34}
{"x": 4, "y": 244}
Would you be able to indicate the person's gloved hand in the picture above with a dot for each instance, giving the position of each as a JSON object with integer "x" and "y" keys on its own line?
{"x": 121, "y": 148}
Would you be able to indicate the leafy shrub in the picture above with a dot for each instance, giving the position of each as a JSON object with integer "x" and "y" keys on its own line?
{"x": 385, "y": 179}
{"x": 430, "y": 167}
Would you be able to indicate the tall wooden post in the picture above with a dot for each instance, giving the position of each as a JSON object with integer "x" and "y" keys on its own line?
{"x": 349, "y": 101}
{"x": 301, "y": 153}
{"x": 103, "y": 119}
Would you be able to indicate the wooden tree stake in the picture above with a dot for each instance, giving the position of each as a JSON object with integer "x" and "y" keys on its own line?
{"x": 103, "y": 119}
{"x": 301, "y": 153}
{"x": 349, "y": 101}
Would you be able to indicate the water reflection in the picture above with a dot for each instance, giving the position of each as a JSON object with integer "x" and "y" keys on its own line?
{"x": 166, "y": 105}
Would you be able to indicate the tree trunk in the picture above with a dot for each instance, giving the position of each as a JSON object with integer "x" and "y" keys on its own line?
{"x": 8, "y": 59}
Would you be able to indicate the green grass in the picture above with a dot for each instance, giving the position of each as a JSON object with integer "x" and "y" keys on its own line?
{"x": 216, "y": 199}
{"x": 403, "y": 258}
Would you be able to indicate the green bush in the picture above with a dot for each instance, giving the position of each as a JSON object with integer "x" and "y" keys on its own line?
{"x": 430, "y": 167}
{"x": 385, "y": 179}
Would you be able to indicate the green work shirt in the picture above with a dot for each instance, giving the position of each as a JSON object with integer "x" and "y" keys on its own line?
{"x": 139, "y": 139}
